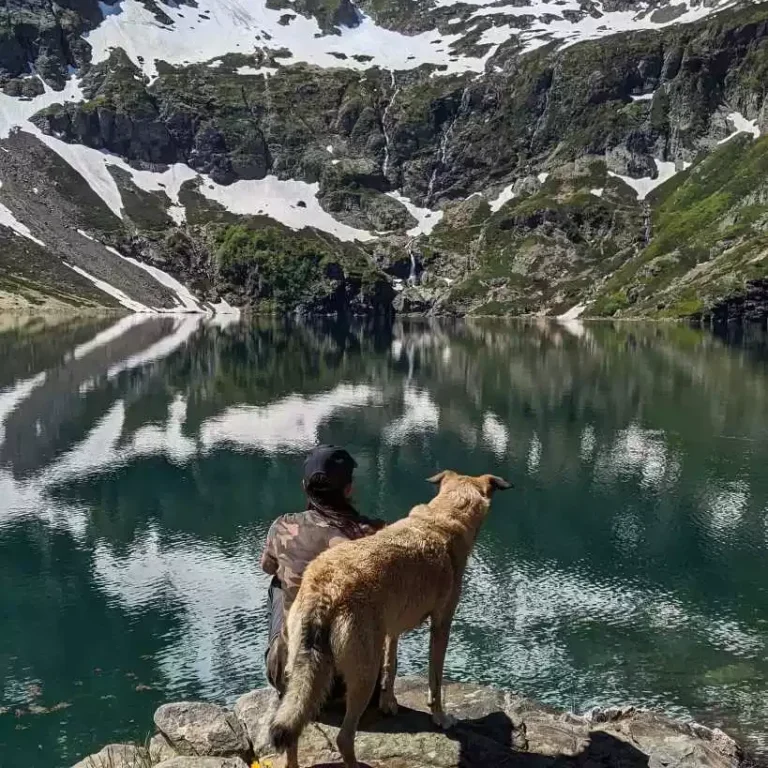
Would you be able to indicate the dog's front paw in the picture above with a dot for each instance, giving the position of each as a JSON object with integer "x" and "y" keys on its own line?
{"x": 443, "y": 720}
{"x": 388, "y": 703}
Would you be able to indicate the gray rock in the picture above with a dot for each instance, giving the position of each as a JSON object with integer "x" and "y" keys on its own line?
{"x": 200, "y": 729}
{"x": 254, "y": 710}
{"x": 497, "y": 728}
{"x": 160, "y": 749}
{"x": 117, "y": 756}
{"x": 203, "y": 762}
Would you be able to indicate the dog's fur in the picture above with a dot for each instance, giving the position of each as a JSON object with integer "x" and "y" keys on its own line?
{"x": 357, "y": 598}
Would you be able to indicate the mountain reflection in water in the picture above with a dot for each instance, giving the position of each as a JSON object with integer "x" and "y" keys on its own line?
{"x": 142, "y": 460}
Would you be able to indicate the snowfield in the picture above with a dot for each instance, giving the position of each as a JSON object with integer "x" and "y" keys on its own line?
{"x": 217, "y": 27}
{"x": 245, "y": 26}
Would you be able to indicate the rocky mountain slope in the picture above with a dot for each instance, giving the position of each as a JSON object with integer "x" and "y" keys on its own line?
{"x": 446, "y": 156}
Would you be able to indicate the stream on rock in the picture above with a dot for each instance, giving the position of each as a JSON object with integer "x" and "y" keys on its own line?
{"x": 142, "y": 460}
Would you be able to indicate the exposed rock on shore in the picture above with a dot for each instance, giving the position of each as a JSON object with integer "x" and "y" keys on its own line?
{"x": 495, "y": 728}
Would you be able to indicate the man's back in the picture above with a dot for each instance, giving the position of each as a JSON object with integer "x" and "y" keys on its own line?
{"x": 296, "y": 539}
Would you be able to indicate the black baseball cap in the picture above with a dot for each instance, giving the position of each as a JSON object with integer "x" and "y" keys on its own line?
{"x": 329, "y": 465}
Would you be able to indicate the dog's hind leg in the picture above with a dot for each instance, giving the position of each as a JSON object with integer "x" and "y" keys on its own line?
{"x": 292, "y": 756}
{"x": 439, "y": 632}
{"x": 387, "y": 700}
{"x": 360, "y": 683}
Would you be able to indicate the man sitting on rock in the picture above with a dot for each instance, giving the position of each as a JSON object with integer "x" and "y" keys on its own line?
{"x": 294, "y": 540}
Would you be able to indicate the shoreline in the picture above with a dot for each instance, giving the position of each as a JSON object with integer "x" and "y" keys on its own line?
{"x": 96, "y": 312}
{"x": 494, "y": 727}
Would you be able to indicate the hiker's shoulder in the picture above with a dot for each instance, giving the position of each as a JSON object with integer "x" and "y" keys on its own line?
{"x": 293, "y": 523}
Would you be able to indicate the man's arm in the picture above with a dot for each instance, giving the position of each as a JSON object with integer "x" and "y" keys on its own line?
{"x": 268, "y": 557}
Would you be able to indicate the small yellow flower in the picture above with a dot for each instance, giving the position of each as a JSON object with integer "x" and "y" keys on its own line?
{"x": 262, "y": 764}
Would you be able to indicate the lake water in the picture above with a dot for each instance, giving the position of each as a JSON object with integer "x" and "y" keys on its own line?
{"x": 141, "y": 462}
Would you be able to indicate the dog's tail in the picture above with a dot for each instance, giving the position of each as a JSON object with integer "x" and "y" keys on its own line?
{"x": 311, "y": 667}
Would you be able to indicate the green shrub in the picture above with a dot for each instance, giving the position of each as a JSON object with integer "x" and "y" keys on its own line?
{"x": 287, "y": 267}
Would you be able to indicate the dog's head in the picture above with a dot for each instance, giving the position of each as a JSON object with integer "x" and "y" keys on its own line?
{"x": 486, "y": 484}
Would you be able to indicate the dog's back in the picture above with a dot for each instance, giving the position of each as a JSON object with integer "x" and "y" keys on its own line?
{"x": 385, "y": 583}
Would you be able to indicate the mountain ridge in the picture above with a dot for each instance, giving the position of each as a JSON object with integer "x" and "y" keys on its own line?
{"x": 577, "y": 170}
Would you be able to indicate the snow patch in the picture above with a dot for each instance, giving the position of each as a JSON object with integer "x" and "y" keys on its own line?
{"x": 645, "y": 185}
{"x": 542, "y": 177}
{"x": 643, "y": 96}
{"x": 265, "y": 71}
{"x": 604, "y": 23}
{"x": 7, "y": 219}
{"x": 279, "y": 200}
{"x": 741, "y": 125}
{"x": 89, "y": 163}
{"x": 185, "y": 297}
{"x": 178, "y": 213}
{"x": 503, "y": 197}
{"x": 15, "y": 112}
{"x": 168, "y": 182}
{"x": 102, "y": 285}
{"x": 573, "y": 313}
{"x": 597, "y": 192}
{"x": 427, "y": 218}
{"x": 224, "y": 308}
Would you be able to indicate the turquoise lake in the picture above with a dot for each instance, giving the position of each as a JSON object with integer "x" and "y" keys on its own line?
{"x": 142, "y": 460}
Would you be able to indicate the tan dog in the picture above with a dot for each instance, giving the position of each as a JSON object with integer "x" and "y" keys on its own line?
{"x": 357, "y": 598}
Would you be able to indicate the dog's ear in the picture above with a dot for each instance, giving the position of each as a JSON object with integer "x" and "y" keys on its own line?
{"x": 438, "y": 478}
{"x": 494, "y": 483}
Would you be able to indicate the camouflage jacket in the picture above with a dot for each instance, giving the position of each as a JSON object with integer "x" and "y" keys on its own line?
{"x": 295, "y": 540}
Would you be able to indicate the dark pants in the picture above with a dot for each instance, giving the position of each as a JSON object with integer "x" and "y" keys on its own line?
{"x": 277, "y": 650}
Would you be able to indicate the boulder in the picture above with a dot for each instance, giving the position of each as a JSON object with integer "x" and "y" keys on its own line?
{"x": 160, "y": 749}
{"x": 254, "y": 711}
{"x": 200, "y": 729}
{"x": 116, "y": 756}
{"x": 498, "y": 728}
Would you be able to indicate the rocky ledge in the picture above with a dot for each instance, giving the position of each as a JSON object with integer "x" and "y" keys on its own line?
{"x": 495, "y": 728}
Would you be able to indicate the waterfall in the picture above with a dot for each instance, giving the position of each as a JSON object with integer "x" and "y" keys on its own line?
{"x": 647, "y": 218}
{"x": 267, "y": 105}
{"x": 412, "y": 277}
{"x": 446, "y": 137}
{"x": 387, "y": 139}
